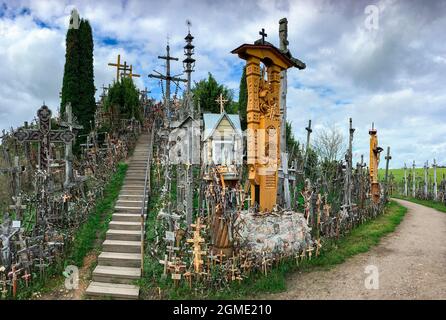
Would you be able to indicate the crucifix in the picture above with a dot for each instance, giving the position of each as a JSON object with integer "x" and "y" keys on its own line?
{"x": 44, "y": 136}
{"x": 71, "y": 124}
{"x": 221, "y": 101}
{"x": 435, "y": 180}
{"x": 388, "y": 157}
{"x": 263, "y": 34}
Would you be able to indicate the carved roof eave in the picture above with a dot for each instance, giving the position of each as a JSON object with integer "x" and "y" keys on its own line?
{"x": 264, "y": 51}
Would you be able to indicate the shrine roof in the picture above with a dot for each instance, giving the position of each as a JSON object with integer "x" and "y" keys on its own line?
{"x": 212, "y": 120}
{"x": 287, "y": 59}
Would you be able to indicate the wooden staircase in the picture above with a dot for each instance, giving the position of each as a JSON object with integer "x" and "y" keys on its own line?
{"x": 119, "y": 263}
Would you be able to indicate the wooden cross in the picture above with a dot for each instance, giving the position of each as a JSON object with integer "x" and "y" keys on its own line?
{"x": 118, "y": 66}
{"x": 44, "y": 136}
{"x": 17, "y": 207}
{"x": 13, "y": 275}
{"x": 220, "y": 256}
{"x": 26, "y": 277}
{"x": 165, "y": 263}
{"x": 263, "y": 34}
{"x": 265, "y": 262}
{"x": 176, "y": 268}
{"x": 318, "y": 246}
{"x": 15, "y": 170}
{"x": 188, "y": 276}
{"x": 303, "y": 255}
{"x": 221, "y": 101}
{"x": 310, "y": 250}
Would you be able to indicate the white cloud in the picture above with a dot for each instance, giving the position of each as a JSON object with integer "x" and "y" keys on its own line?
{"x": 393, "y": 76}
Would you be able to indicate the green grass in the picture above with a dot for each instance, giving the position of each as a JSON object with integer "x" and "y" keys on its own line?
{"x": 97, "y": 223}
{"x": 428, "y": 203}
{"x": 84, "y": 239}
{"x": 333, "y": 252}
{"x": 399, "y": 173}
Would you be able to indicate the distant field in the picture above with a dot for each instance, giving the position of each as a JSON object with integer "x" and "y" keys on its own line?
{"x": 399, "y": 173}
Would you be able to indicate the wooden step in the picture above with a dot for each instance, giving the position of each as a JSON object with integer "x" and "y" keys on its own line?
{"x": 132, "y": 197}
{"x": 116, "y": 274}
{"x": 129, "y": 217}
{"x": 119, "y": 259}
{"x": 121, "y": 246}
{"x": 125, "y": 235}
{"x": 123, "y": 225}
{"x": 112, "y": 290}
{"x": 128, "y": 209}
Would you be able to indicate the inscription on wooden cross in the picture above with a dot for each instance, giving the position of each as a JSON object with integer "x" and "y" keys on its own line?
{"x": 44, "y": 136}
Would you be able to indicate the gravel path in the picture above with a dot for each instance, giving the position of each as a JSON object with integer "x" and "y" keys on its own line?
{"x": 411, "y": 263}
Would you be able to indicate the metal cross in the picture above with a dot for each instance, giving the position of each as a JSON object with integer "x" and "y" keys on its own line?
{"x": 44, "y": 136}
{"x": 263, "y": 34}
{"x": 221, "y": 101}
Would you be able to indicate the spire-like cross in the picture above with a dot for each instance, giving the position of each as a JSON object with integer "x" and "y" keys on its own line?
{"x": 263, "y": 34}
{"x": 221, "y": 101}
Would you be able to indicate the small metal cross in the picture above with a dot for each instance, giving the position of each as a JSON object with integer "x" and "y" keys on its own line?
{"x": 263, "y": 34}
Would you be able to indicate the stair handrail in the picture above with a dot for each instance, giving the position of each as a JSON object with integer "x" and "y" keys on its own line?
{"x": 144, "y": 209}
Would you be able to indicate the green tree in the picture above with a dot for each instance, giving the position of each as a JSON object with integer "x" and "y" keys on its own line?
{"x": 87, "y": 104}
{"x": 206, "y": 91}
{"x": 123, "y": 101}
{"x": 78, "y": 79}
{"x": 243, "y": 99}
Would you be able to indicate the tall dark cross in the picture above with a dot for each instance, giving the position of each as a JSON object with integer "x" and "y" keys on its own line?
{"x": 263, "y": 34}
{"x": 44, "y": 136}
{"x": 168, "y": 78}
{"x": 307, "y": 147}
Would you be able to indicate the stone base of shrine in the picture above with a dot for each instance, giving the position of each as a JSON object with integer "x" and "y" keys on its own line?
{"x": 284, "y": 232}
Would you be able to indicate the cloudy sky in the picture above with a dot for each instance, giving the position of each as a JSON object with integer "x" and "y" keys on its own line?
{"x": 374, "y": 61}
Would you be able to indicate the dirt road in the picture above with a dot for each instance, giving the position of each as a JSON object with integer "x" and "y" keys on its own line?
{"x": 411, "y": 263}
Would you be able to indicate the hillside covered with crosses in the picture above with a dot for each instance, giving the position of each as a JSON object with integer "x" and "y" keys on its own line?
{"x": 198, "y": 193}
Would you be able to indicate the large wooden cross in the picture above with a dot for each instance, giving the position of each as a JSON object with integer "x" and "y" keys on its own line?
{"x": 118, "y": 66}
{"x": 44, "y": 136}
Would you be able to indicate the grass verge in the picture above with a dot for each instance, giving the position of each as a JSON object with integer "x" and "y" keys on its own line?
{"x": 84, "y": 239}
{"x": 333, "y": 252}
{"x": 428, "y": 203}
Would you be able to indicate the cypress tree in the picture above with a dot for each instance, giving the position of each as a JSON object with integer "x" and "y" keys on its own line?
{"x": 78, "y": 80}
{"x": 87, "y": 104}
{"x": 243, "y": 99}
